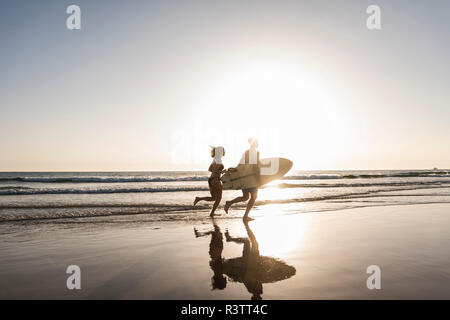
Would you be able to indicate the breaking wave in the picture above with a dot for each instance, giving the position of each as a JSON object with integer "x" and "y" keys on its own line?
{"x": 137, "y": 179}
{"x": 100, "y": 179}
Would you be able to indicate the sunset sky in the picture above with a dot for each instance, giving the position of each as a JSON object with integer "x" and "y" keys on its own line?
{"x": 149, "y": 85}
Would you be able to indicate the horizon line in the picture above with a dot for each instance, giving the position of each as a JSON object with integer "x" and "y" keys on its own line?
{"x": 203, "y": 170}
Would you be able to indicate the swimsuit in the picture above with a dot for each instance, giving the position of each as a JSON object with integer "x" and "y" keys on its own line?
{"x": 215, "y": 172}
{"x": 211, "y": 179}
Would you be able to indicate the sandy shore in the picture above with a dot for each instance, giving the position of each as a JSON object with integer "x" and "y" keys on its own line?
{"x": 293, "y": 256}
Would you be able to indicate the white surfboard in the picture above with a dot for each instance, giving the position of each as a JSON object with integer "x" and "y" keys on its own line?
{"x": 245, "y": 177}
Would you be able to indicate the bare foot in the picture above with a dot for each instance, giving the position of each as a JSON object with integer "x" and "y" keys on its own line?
{"x": 212, "y": 215}
{"x": 196, "y": 200}
{"x": 246, "y": 219}
{"x": 227, "y": 206}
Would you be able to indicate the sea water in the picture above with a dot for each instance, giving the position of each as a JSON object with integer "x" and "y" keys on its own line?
{"x": 169, "y": 195}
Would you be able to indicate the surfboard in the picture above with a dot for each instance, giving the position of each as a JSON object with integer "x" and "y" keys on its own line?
{"x": 244, "y": 176}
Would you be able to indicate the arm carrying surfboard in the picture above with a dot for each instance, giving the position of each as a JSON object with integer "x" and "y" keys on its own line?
{"x": 245, "y": 177}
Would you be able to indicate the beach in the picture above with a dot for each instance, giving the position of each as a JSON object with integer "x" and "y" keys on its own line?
{"x": 229, "y": 150}
{"x": 309, "y": 255}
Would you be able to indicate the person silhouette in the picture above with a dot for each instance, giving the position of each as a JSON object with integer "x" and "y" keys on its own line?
{"x": 218, "y": 280}
{"x": 249, "y": 267}
{"x": 253, "y": 269}
{"x": 250, "y": 157}
{"x": 215, "y": 185}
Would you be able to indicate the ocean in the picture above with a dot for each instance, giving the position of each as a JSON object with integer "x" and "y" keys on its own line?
{"x": 32, "y": 196}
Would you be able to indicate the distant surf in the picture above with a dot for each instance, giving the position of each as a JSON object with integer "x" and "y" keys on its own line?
{"x": 50, "y": 179}
{"x": 35, "y": 196}
{"x": 202, "y": 176}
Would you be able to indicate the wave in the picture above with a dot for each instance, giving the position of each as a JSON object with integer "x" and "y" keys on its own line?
{"x": 173, "y": 212}
{"x": 354, "y": 196}
{"x": 137, "y": 179}
{"x": 101, "y": 179}
{"x": 19, "y": 190}
{"x": 406, "y": 174}
{"x": 338, "y": 196}
{"x": 362, "y": 185}
{"x": 90, "y": 211}
{"x": 34, "y": 191}
{"x": 100, "y": 205}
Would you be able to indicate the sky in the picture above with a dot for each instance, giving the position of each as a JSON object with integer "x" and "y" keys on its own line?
{"x": 151, "y": 85}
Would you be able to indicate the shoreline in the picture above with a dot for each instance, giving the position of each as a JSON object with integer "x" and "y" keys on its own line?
{"x": 330, "y": 251}
{"x": 194, "y": 210}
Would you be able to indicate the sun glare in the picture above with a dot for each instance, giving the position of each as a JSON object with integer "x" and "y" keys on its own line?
{"x": 277, "y": 237}
{"x": 285, "y": 105}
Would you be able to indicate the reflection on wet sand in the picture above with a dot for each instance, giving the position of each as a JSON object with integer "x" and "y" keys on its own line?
{"x": 218, "y": 281}
{"x": 251, "y": 269}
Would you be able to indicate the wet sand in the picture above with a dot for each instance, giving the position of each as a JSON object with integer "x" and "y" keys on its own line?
{"x": 290, "y": 256}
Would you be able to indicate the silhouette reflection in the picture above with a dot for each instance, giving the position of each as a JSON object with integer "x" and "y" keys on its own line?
{"x": 218, "y": 281}
{"x": 251, "y": 269}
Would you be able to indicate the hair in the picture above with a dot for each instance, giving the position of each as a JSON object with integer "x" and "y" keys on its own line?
{"x": 253, "y": 141}
{"x": 213, "y": 151}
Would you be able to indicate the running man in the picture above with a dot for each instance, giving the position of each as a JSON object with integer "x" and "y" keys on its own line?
{"x": 250, "y": 156}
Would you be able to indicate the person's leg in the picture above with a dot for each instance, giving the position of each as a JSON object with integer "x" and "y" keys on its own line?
{"x": 244, "y": 197}
{"x": 251, "y": 202}
{"x": 197, "y": 199}
{"x": 216, "y": 192}
{"x": 212, "y": 191}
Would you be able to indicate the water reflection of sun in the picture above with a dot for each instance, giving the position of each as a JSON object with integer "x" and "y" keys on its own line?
{"x": 272, "y": 192}
{"x": 279, "y": 236}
